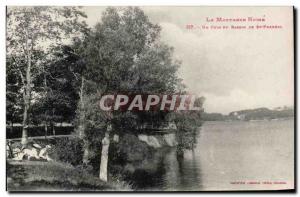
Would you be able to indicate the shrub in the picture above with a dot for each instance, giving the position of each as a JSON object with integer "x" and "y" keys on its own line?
{"x": 68, "y": 150}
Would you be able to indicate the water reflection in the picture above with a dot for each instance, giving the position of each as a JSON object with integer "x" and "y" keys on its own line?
{"x": 226, "y": 152}
{"x": 169, "y": 172}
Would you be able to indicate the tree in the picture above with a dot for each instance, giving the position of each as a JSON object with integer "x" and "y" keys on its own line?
{"x": 13, "y": 96}
{"x": 188, "y": 124}
{"x": 32, "y": 33}
{"x": 58, "y": 101}
{"x": 123, "y": 54}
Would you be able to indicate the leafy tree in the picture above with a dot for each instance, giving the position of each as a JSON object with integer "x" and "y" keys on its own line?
{"x": 32, "y": 33}
{"x": 188, "y": 124}
{"x": 13, "y": 96}
{"x": 58, "y": 101}
{"x": 124, "y": 54}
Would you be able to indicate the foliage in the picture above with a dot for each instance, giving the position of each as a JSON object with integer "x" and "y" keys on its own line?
{"x": 261, "y": 114}
{"x": 58, "y": 101}
{"x": 124, "y": 54}
{"x": 68, "y": 150}
{"x": 13, "y": 95}
{"x": 188, "y": 125}
{"x": 32, "y": 36}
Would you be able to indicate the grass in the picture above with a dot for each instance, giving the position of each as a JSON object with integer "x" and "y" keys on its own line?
{"x": 55, "y": 176}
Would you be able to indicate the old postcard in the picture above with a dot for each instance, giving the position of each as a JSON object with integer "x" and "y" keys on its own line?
{"x": 161, "y": 98}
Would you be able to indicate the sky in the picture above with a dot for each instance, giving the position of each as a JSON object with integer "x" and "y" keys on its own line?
{"x": 233, "y": 69}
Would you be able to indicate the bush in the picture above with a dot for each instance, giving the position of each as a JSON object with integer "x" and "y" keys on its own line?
{"x": 130, "y": 149}
{"x": 68, "y": 150}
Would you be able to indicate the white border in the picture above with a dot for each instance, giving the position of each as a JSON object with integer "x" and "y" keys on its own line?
{"x": 152, "y": 2}
{"x": 296, "y": 3}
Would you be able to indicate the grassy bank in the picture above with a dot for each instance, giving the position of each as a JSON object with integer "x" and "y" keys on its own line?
{"x": 54, "y": 176}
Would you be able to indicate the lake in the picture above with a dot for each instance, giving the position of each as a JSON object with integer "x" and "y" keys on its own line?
{"x": 234, "y": 155}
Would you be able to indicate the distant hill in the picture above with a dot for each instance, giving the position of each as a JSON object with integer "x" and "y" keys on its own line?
{"x": 214, "y": 117}
{"x": 252, "y": 114}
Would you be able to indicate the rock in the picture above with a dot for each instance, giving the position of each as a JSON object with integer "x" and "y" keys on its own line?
{"x": 150, "y": 140}
{"x": 170, "y": 139}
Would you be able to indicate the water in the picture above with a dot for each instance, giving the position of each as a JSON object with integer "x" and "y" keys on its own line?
{"x": 229, "y": 156}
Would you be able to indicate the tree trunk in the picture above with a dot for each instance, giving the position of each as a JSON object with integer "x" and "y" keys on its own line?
{"x": 103, "y": 174}
{"x": 10, "y": 151}
{"x": 24, "y": 139}
{"x": 86, "y": 153}
{"x": 179, "y": 148}
{"x": 26, "y": 97}
{"x": 11, "y": 127}
{"x": 81, "y": 127}
{"x": 180, "y": 153}
{"x": 46, "y": 130}
{"x": 53, "y": 128}
{"x": 52, "y": 122}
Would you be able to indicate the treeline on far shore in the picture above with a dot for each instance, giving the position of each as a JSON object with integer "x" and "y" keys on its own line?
{"x": 252, "y": 114}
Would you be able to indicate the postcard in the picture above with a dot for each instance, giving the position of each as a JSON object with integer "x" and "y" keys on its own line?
{"x": 150, "y": 98}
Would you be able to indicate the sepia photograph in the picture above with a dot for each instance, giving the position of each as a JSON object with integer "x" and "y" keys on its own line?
{"x": 150, "y": 98}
